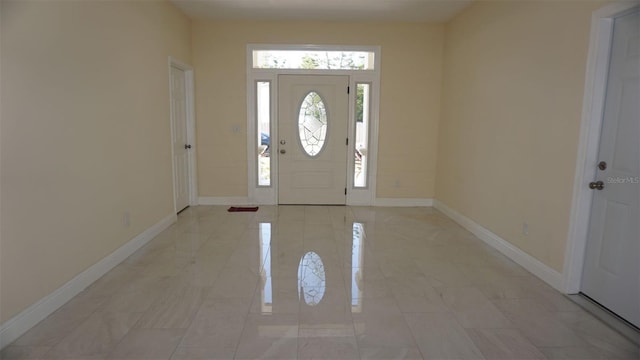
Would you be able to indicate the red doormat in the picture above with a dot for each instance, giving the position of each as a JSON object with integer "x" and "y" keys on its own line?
{"x": 242, "y": 209}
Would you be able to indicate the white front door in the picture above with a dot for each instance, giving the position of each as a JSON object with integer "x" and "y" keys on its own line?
{"x": 313, "y": 113}
{"x": 179, "y": 139}
{"x": 611, "y": 274}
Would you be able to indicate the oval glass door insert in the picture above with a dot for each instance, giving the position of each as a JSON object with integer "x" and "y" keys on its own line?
{"x": 312, "y": 280}
{"x": 312, "y": 124}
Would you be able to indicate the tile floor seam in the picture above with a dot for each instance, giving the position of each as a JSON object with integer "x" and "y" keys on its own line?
{"x": 178, "y": 344}
{"x": 404, "y": 321}
{"x": 466, "y": 334}
{"x": 413, "y": 337}
{"x": 79, "y": 324}
{"x": 246, "y": 318}
{"x": 353, "y": 325}
{"x": 235, "y": 351}
{"x": 115, "y": 346}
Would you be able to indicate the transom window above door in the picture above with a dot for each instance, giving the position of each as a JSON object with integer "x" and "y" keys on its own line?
{"x": 314, "y": 59}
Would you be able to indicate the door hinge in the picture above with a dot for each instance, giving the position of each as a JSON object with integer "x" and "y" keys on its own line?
{"x": 347, "y": 141}
{"x": 345, "y": 191}
{"x": 348, "y": 89}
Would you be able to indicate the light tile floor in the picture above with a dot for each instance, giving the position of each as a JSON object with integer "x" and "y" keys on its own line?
{"x": 318, "y": 282}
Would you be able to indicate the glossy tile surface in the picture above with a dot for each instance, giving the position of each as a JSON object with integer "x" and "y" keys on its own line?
{"x": 319, "y": 282}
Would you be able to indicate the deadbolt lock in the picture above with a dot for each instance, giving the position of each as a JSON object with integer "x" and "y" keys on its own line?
{"x": 602, "y": 165}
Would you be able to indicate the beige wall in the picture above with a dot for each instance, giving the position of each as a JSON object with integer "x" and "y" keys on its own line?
{"x": 512, "y": 98}
{"x": 409, "y": 108}
{"x": 85, "y": 135}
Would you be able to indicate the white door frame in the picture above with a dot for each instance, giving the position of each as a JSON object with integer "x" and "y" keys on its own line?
{"x": 191, "y": 132}
{"x": 268, "y": 195}
{"x": 590, "y": 127}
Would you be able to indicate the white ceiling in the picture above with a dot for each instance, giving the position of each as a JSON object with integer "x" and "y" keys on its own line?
{"x": 329, "y": 10}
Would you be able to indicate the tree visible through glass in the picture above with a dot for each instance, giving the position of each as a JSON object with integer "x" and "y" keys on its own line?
{"x": 313, "y": 59}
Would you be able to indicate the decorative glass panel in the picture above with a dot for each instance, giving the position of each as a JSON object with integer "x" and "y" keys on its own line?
{"x": 263, "y": 115}
{"x": 363, "y": 100}
{"x": 312, "y": 124}
{"x": 311, "y": 279}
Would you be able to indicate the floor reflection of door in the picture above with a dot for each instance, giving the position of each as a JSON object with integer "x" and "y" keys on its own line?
{"x": 312, "y": 144}
{"x": 312, "y": 279}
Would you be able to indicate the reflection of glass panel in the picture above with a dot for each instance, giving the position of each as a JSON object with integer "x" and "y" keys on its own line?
{"x": 265, "y": 267}
{"x": 356, "y": 267}
{"x": 263, "y": 115}
{"x": 312, "y": 124}
{"x": 313, "y": 59}
{"x": 311, "y": 279}
{"x": 363, "y": 100}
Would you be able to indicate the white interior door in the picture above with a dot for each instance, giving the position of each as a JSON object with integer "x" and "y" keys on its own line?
{"x": 179, "y": 142}
{"x": 611, "y": 274}
{"x": 312, "y": 139}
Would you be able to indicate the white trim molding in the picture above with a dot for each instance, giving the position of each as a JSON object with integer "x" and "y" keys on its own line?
{"x": 591, "y": 123}
{"x": 223, "y": 200}
{"x": 269, "y": 194}
{"x": 403, "y": 202}
{"x": 19, "y": 324}
{"x": 531, "y": 264}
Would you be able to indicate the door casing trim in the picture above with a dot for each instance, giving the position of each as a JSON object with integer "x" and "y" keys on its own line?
{"x": 590, "y": 127}
{"x": 269, "y": 195}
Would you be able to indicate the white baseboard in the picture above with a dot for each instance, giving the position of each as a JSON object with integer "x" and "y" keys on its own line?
{"x": 211, "y": 200}
{"x": 403, "y": 202}
{"x": 533, "y": 265}
{"x": 19, "y": 324}
{"x": 399, "y": 202}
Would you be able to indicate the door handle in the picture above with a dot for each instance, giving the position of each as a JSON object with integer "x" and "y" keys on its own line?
{"x": 187, "y": 146}
{"x": 596, "y": 185}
